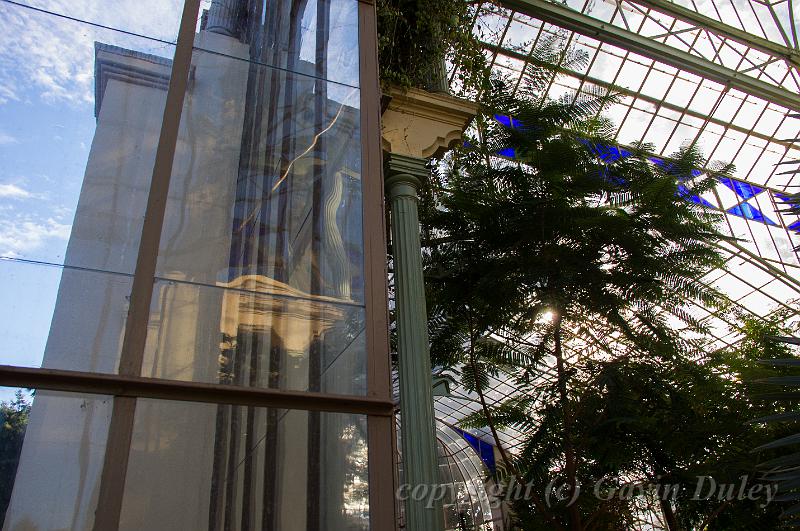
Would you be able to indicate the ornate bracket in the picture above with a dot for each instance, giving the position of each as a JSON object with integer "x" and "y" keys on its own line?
{"x": 422, "y": 124}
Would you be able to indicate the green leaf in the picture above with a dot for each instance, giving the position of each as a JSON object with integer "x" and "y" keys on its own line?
{"x": 779, "y": 417}
{"x": 785, "y": 441}
{"x": 780, "y": 363}
{"x": 793, "y": 381}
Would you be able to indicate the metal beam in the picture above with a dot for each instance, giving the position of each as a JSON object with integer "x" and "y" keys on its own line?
{"x": 572, "y": 20}
{"x": 513, "y": 54}
{"x": 160, "y": 389}
{"x": 722, "y": 30}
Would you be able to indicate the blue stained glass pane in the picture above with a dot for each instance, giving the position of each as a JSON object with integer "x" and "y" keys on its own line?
{"x": 746, "y": 210}
{"x": 795, "y": 227}
{"x": 736, "y": 211}
{"x": 505, "y": 120}
{"x": 508, "y": 121}
{"x": 743, "y": 190}
{"x": 607, "y": 153}
{"x": 669, "y": 167}
{"x": 686, "y": 194}
{"x": 700, "y": 201}
{"x": 482, "y": 448}
{"x": 612, "y": 153}
{"x": 619, "y": 181}
{"x": 748, "y": 190}
{"x": 661, "y": 163}
{"x": 782, "y": 197}
{"x": 507, "y": 152}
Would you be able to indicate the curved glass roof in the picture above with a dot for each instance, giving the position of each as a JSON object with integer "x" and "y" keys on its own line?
{"x": 724, "y": 74}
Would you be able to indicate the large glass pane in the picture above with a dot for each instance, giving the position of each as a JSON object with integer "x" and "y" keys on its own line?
{"x": 266, "y": 185}
{"x": 53, "y": 446}
{"x": 202, "y": 466}
{"x": 80, "y": 115}
{"x": 260, "y": 268}
{"x": 191, "y": 466}
{"x": 288, "y": 340}
{"x": 62, "y": 318}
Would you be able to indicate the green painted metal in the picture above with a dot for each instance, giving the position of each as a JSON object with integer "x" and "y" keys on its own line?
{"x": 418, "y": 436}
{"x": 567, "y": 18}
{"x": 726, "y": 31}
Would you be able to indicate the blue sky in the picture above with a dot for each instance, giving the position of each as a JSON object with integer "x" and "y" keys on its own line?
{"x": 46, "y": 128}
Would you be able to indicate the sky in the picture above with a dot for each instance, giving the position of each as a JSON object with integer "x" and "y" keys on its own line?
{"x": 46, "y": 128}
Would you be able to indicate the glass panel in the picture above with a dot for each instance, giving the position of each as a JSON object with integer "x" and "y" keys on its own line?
{"x": 261, "y": 261}
{"x": 202, "y": 466}
{"x": 62, "y": 318}
{"x": 266, "y": 186}
{"x": 235, "y": 336}
{"x": 80, "y": 115}
{"x": 318, "y": 38}
{"x": 53, "y": 451}
{"x": 157, "y": 19}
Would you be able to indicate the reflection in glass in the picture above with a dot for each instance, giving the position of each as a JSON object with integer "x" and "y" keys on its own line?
{"x": 192, "y": 466}
{"x": 265, "y": 198}
{"x": 80, "y": 115}
{"x": 155, "y": 19}
{"x": 236, "y": 335}
{"x": 314, "y": 37}
{"x": 270, "y": 187}
{"x": 260, "y": 271}
{"x": 202, "y": 466}
{"x": 265, "y": 194}
{"x": 85, "y": 325}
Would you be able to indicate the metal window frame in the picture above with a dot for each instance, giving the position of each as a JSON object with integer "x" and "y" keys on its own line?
{"x": 690, "y": 16}
{"x": 578, "y": 22}
{"x": 380, "y": 429}
{"x": 128, "y": 385}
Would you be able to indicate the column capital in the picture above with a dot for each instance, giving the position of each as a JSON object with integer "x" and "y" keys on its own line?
{"x": 405, "y": 164}
{"x": 404, "y": 174}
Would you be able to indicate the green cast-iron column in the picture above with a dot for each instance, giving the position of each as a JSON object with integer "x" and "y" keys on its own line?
{"x": 420, "y": 460}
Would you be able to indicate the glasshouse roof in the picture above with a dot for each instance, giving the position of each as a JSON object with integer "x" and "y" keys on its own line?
{"x": 719, "y": 73}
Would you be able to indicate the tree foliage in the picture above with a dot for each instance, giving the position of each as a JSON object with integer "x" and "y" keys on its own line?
{"x": 415, "y": 37}
{"x": 14, "y": 417}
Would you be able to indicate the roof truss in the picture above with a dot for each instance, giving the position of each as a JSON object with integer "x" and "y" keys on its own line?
{"x": 741, "y": 79}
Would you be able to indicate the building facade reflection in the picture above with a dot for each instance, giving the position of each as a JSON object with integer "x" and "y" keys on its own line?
{"x": 259, "y": 283}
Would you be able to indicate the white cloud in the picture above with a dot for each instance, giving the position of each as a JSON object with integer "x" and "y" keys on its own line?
{"x": 52, "y": 59}
{"x": 13, "y": 191}
{"x": 7, "y": 90}
{"x": 6, "y": 139}
{"x": 18, "y": 237}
